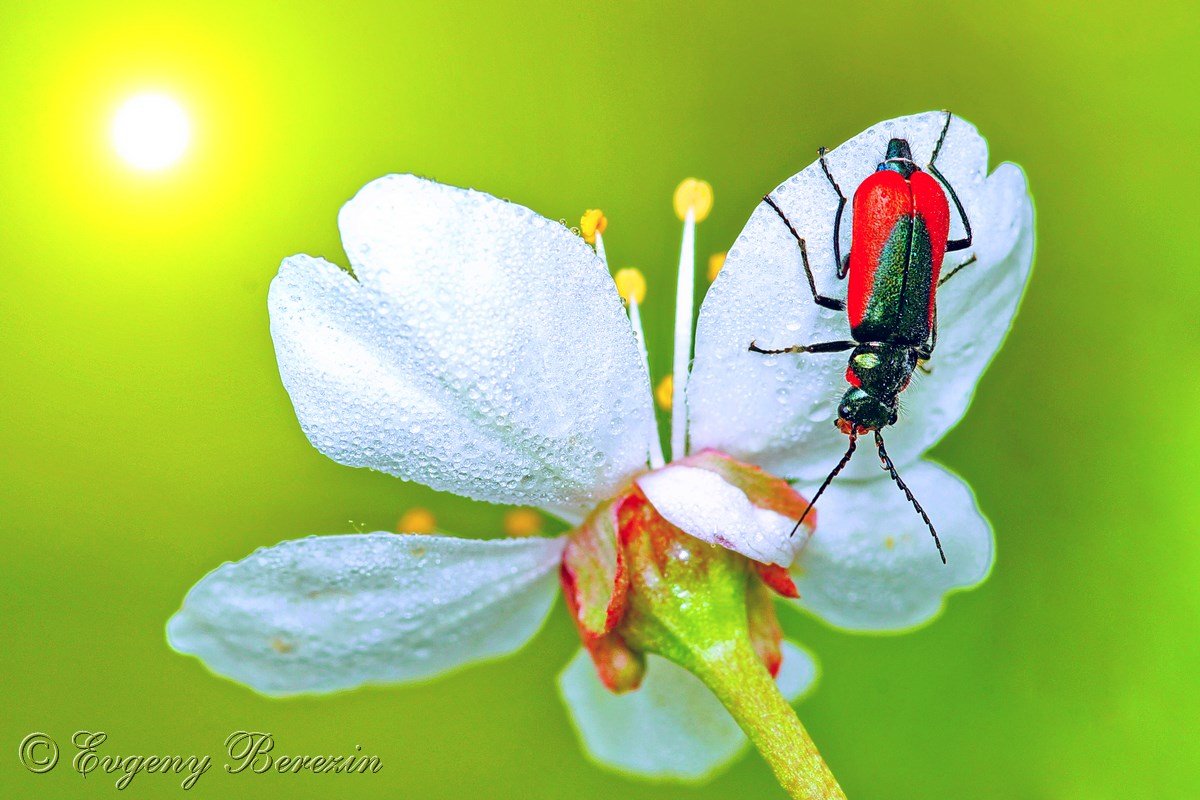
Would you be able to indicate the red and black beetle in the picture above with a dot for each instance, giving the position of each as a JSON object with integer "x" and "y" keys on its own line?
{"x": 898, "y": 241}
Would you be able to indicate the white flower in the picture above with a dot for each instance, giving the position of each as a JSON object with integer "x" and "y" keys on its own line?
{"x": 483, "y": 350}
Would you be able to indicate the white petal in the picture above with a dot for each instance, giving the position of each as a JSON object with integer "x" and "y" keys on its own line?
{"x": 671, "y": 727}
{"x": 872, "y": 565}
{"x": 483, "y": 350}
{"x": 777, "y": 412}
{"x": 334, "y": 612}
{"x": 700, "y": 503}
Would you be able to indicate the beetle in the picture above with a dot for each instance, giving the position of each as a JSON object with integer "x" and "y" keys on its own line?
{"x": 898, "y": 241}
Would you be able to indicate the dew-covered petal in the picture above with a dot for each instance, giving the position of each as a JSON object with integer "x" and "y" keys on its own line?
{"x": 778, "y": 411}
{"x": 483, "y": 350}
{"x": 872, "y": 565}
{"x": 703, "y": 504}
{"x": 672, "y": 727}
{"x": 334, "y": 612}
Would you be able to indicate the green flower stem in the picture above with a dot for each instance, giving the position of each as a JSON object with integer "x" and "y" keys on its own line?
{"x": 736, "y": 675}
{"x": 688, "y": 602}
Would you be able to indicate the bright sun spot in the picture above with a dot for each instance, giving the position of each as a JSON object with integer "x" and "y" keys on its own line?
{"x": 151, "y": 131}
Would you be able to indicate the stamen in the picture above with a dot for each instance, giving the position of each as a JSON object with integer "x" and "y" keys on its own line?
{"x": 715, "y": 262}
{"x": 693, "y": 202}
{"x": 417, "y": 520}
{"x": 591, "y": 223}
{"x": 522, "y": 522}
{"x": 663, "y": 392}
{"x": 696, "y": 196}
{"x": 631, "y": 285}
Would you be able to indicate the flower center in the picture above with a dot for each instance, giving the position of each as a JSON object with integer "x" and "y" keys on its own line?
{"x": 635, "y": 582}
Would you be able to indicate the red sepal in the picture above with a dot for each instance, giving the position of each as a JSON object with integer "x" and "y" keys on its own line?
{"x": 777, "y": 578}
{"x": 619, "y": 668}
{"x": 594, "y": 575}
{"x": 766, "y": 635}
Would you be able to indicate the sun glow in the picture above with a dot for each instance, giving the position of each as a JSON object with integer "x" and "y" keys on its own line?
{"x": 151, "y": 131}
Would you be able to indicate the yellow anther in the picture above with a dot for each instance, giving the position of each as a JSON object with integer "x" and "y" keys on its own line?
{"x": 715, "y": 262}
{"x": 417, "y": 520}
{"x": 631, "y": 284}
{"x": 592, "y": 222}
{"x": 889, "y": 543}
{"x": 522, "y": 522}
{"x": 694, "y": 195}
{"x": 280, "y": 646}
{"x": 664, "y": 392}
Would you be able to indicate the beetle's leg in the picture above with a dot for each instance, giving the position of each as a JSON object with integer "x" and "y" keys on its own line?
{"x": 819, "y": 347}
{"x": 954, "y": 271}
{"x": 953, "y": 244}
{"x": 818, "y": 298}
{"x": 842, "y": 264}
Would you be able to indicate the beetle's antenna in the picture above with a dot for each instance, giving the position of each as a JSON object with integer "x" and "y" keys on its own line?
{"x": 841, "y": 464}
{"x": 937, "y": 148}
{"x": 891, "y": 468}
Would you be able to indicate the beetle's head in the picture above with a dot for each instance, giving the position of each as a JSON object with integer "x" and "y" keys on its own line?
{"x": 861, "y": 412}
{"x": 899, "y": 158}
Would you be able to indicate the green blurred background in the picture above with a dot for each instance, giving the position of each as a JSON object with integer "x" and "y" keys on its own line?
{"x": 146, "y": 437}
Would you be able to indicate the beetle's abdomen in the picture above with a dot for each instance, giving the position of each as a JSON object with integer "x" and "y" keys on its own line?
{"x": 897, "y": 246}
